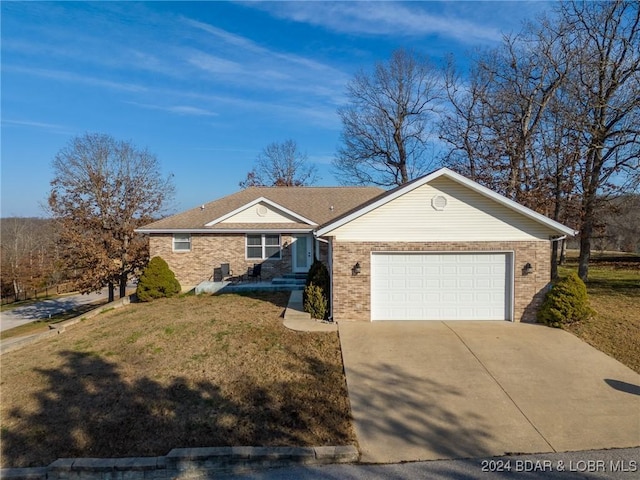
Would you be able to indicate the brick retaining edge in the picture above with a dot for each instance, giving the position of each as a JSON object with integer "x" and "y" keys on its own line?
{"x": 184, "y": 463}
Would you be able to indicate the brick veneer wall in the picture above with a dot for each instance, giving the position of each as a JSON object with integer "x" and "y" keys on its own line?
{"x": 352, "y": 294}
{"x": 208, "y": 252}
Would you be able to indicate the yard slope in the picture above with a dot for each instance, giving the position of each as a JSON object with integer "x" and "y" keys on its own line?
{"x": 183, "y": 372}
{"x": 614, "y": 293}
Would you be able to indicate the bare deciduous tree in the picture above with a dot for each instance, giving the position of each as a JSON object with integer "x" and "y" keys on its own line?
{"x": 604, "y": 94}
{"x": 494, "y": 125}
{"x": 387, "y": 122}
{"x": 101, "y": 191}
{"x": 281, "y": 165}
{"x": 28, "y": 254}
{"x": 552, "y": 117}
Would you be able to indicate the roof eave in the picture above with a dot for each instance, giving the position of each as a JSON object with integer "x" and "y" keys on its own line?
{"x": 552, "y": 224}
{"x": 222, "y": 230}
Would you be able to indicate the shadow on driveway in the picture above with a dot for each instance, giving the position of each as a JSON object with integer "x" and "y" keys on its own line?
{"x": 437, "y": 390}
{"x": 394, "y": 417}
{"x": 624, "y": 387}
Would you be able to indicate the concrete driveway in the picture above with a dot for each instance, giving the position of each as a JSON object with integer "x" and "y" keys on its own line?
{"x": 437, "y": 390}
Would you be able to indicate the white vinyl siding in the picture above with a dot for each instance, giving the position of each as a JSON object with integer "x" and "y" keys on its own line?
{"x": 467, "y": 216}
{"x": 441, "y": 286}
{"x": 181, "y": 242}
{"x": 260, "y": 213}
{"x": 263, "y": 247}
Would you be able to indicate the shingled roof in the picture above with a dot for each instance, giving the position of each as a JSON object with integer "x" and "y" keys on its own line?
{"x": 318, "y": 204}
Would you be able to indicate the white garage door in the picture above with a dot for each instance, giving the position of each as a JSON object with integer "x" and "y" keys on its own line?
{"x": 440, "y": 286}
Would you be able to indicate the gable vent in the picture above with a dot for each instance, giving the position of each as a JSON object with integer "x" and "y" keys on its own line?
{"x": 261, "y": 210}
{"x": 439, "y": 202}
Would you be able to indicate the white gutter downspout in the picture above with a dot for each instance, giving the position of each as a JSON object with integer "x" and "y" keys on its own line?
{"x": 563, "y": 237}
{"x": 318, "y": 239}
{"x": 329, "y": 267}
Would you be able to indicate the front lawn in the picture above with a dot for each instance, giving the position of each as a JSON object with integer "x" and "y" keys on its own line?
{"x": 183, "y": 372}
{"x": 614, "y": 293}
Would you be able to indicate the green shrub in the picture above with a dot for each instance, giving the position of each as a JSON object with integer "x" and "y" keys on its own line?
{"x": 318, "y": 276}
{"x": 157, "y": 281}
{"x": 567, "y": 302}
{"x": 315, "y": 302}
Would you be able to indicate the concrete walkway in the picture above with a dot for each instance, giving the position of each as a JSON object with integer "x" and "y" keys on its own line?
{"x": 438, "y": 390}
{"x": 295, "y": 318}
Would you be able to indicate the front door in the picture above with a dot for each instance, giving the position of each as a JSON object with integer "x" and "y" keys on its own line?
{"x": 302, "y": 253}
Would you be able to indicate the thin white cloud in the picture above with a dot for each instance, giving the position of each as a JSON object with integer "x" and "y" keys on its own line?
{"x": 52, "y": 127}
{"x": 382, "y": 18}
{"x": 258, "y": 66}
{"x": 226, "y": 37}
{"x": 73, "y": 77}
{"x": 187, "y": 110}
{"x": 214, "y": 64}
{"x": 177, "y": 109}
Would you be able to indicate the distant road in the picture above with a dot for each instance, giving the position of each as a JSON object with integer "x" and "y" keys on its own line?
{"x": 42, "y": 310}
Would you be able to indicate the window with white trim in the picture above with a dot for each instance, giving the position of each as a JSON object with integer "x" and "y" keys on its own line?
{"x": 181, "y": 242}
{"x": 263, "y": 246}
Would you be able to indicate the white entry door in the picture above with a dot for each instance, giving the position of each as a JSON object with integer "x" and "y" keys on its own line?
{"x": 441, "y": 286}
{"x": 302, "y": 253}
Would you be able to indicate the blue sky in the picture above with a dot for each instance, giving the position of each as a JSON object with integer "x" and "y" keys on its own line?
{"x": 205, "y": 85}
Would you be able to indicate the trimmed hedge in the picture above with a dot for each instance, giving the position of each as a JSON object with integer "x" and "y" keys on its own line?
{"x": 157, "y": 281}
{"x": 318, "y": 277}
{"x": 567, "y": 302}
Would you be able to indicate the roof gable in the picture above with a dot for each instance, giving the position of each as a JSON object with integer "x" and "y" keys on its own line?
{"x": 307, "y": 207}
{"x": 266, "y": 211}
{"x": 398, "y": 192}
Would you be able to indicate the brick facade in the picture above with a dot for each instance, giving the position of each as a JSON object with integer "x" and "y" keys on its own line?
{"x": 352, "y": 294}
{"x": 208, "y": 252}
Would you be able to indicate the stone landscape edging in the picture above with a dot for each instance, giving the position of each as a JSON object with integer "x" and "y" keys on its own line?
{"x": 185, "y": 463}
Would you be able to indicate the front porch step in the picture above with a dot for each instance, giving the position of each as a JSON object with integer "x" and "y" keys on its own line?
{"x": 288, "y": 281}
{"x": 227, "y": 287}
{"x": 299, "y": 276}
{"x": 268, "y": 287}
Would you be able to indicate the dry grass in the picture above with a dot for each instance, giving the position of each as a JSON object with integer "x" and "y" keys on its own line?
{"x": 183, "y": 372}
{"x": 614, "y": 292}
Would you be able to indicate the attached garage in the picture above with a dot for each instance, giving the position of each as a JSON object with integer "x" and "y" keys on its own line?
{"x": 441, "y": 285}
{"x": 440, "y": 247}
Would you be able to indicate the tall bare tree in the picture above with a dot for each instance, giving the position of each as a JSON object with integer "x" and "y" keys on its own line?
{"x": 496, "y": 116}
{"x": 462, "y": 126}
{"x": 281, "y": 165}
{"x": 604, "y": 93}
{"x": 101, "y": 191}
{"x": 551, "y": 118}
{"x": 388, "y": 121}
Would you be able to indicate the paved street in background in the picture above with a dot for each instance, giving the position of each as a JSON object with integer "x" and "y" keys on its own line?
{"x": 46, "y": 308}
